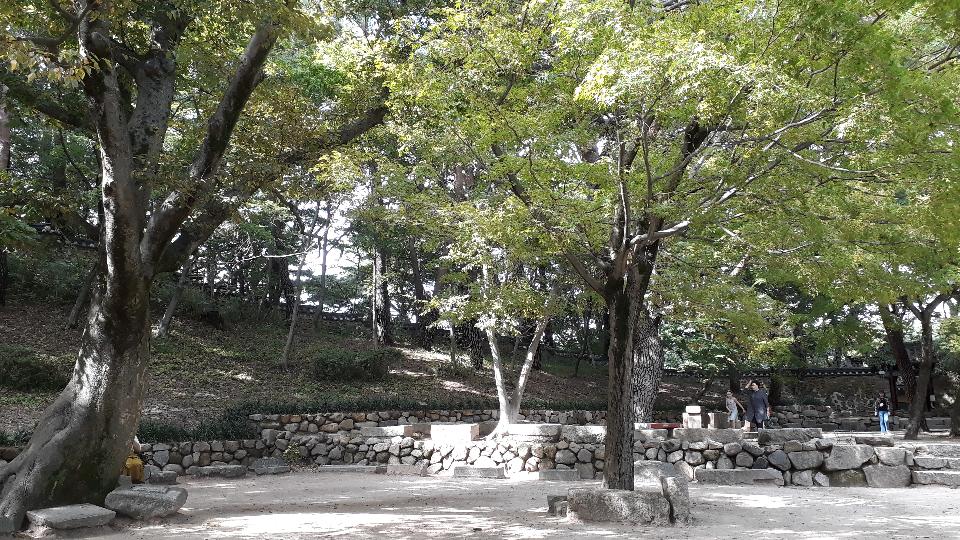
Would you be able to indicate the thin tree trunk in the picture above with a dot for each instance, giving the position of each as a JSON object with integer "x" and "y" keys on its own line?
{"x": 164, "y": 326}
{"x": 5, "y": 144}
{"x": 73, "y": 320}
{"x": 919, "y": 402}
{"x": 298, "y": 288}
{"x": 648, "y": 368}
{"x": 324, "y": 251}
{"x": 585, "y": 345}
{"x": 381, "y": 294}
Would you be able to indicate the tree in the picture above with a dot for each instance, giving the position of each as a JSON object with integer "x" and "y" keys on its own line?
{"x": 622, "y": 127}
{"x": 120, "y": 64}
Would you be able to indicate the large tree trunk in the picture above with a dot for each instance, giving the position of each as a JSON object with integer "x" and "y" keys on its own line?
{"x": 919, "y": 401}
{"x": 624, "y": 301}
{"x": 893, "y": 329}
{"x": 648, "y": 366}
{"x": 73, "y": 320}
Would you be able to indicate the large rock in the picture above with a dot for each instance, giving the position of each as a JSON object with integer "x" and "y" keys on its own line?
{"x": 779, "y": 436}
{"x": 847, "y": 456}
{"x": 891, "y": 456}
{"x": 565, "y": 457}
{"x": 778, "y": 459}
{"x": 802, "y": 478}
{"x": 557, "y": 505}
{"x": 647, "y": 506}
{"x": 739, "y": 476}
{"x": 722, "y": 436}
{"x": 535, "y": 432}
{"x": 806, "y": 460}
{"x": 884, "y": 476}
{"x": 744, "y": 459}
{"x": 73, "y": 516}
{"x": 145, "y": 502}
{"x": 847, "y": 478}
{"x": 584, "y": 434}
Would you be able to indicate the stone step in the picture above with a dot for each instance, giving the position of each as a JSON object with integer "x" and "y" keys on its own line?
{"x": 941, "y": 478}
{"x": 399, "y": 469}
{"x": 934, "y": 462}
{"x": 73, "y": 516}
{"x": 466, "y": 471}
{"x": 939, "y": 450}
{"x": 728, "y": 477}
{"x": 559, "y": 475}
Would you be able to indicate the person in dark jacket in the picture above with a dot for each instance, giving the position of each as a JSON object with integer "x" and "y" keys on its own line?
{"x": 881, "y": 409}
{"x": 758, "y": 406}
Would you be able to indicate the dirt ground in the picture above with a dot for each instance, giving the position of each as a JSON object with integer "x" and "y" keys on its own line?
{"x": 309, "y": 504}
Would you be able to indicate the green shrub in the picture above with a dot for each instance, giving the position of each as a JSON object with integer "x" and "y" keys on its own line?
{"x": 21, "y": 369}
{"x": 14, "y": 438}
{"x": 347, "y": 365}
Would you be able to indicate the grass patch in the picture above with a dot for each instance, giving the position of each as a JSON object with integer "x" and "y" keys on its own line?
{"x": 23, "y": 369}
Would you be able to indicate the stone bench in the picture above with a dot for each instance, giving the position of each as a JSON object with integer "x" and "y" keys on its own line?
{"x": 145, "y": 502}
{"x": 74, "y": 516}
{"x": 559, "y": 475}
{"x": 452, "y": 433}
{"x": 221, "y": 471}
{"x": 535, "y": 432}
{"x": 466, "y": 471}
{"x": 399, "y": 469}
{"x": 730, "y": 477}
{"x": 270, "y": 466}
{"x": 645, "y": 505}
{"x": 364, "y": 469}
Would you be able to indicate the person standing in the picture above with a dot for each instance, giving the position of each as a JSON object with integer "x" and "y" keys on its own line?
{"x": 758, "y": 409}
{"x": 733, "y": 408}
{"x": 881, "y": 409}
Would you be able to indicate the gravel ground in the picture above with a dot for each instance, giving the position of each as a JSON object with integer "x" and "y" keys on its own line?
{"x": 309, "y": 504}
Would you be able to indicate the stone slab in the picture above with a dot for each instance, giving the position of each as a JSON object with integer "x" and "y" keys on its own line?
{"x": 941, "y": 450}
{"x": 722, "y": 436}
{"x": 385, "y": 432}
{"x": 451, "y": 433}
{"x": 270, "y": 466}
{"x": 847, "y": 456}
{"x": 465, "y": 471}
{"x": 559, "y": 475}
{"x": 730, "y": 477}
{"x": 779, "y": 436}
{"x": 942, "y": 478}
{"x": 651, "y": 472}
{"x": 399, "y": 469}
{"x": 644, "y": 435}
{"x": 535, "y": 432}
{"x": 930, "y": 462}
{"x": 613, "y": 505}
{"x": 145, "y": 502}
{"x": 162, "y": 478}
{"x": 221, "y": 471}
{"x": 73, "y": 516}
{"x": 364, "y": 469}
{"x": 874, "y": 440}
{"x": 584, "y": 434}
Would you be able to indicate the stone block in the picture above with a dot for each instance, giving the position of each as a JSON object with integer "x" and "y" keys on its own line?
{"x": 722, "y": 436}
{"x": 651, "y": 472}
{"x": 874, "y": 440}
{"x": 535, "y": 432}
{"x": 73, "y": 516}
{"x": 648, "y": 435}
{"x": 613, "y": 505}
{"x": 779, "y": 436}
{"x": 847, "y": 456}
{"x": 802, "y": 478}
{"x": 780, "y": 460}
{"x": 891, "y": 456}
{"x": 820, "y": 479}
{"x": 693, "y": 409}
{"x": 583, "y": 434}
{"x": 466, "y": 471}
{"x": 943, "y": 478}
{"x": 162, "y": 478}
{"x": 145, "y": 502}
{"x": 694, "y": 421}
{"x": 930, "y": 462}
{"x": 559, "y": 475}
{"x": 885, "y": 476}
{"x": 449, "y": 433}
{"x": 408, "y": 470}
{"x": 739, "y": 476}
{"x": 941, "y": 450}
{"x": 677, "y": 492}
{"x": 386, "y": 432}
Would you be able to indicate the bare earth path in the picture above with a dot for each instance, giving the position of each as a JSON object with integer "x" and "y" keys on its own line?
{"x": 308, "y": 504}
